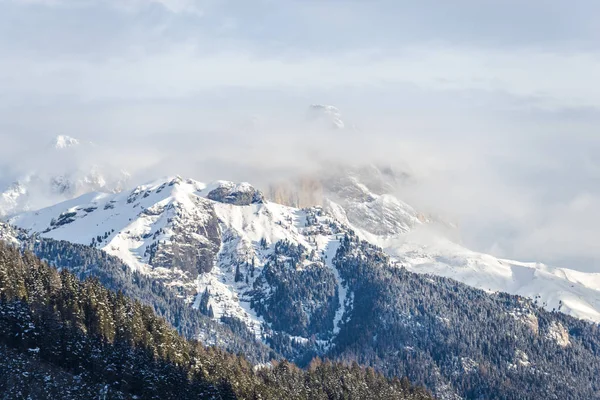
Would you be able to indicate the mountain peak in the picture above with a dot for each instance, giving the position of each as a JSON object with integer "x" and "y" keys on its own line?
{"x": 64, "y": 142}
{"x": 328, "y": 113}
{"x": 235, "y": 193}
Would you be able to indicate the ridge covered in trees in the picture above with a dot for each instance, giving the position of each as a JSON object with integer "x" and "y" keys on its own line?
{"x": 65, "y": 338}
{"x": 457, "y": 340}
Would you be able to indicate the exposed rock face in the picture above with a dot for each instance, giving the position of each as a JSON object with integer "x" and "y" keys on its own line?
{"x": 531, "y": 320}
{"x": 241, "y": 194}
{"x": 558, "y": 333}
{"x": 363, "y": 184}
{"x": 194, "y": 243}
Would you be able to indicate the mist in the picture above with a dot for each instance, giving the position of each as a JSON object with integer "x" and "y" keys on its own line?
{"x": 495, "y": 123}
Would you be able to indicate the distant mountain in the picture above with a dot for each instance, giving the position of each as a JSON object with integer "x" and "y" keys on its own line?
{"x": 329, "y": 115}
{"x": 64, "y": 142}
{"x": 64, "y": 169}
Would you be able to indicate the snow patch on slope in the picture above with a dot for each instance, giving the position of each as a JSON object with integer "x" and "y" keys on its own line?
{"x": 345, "y": 298}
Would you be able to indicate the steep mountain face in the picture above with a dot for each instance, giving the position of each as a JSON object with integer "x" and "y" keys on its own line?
{"x": 366, "y": 201}
{"x": 67, "y": 172}
{"x": 362, "y": 197}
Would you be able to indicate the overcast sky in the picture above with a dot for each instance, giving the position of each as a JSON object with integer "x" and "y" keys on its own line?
{"x": 492, "y": 105}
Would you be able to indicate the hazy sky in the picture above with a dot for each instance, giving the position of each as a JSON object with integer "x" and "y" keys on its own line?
{"x": 492, "y": 105}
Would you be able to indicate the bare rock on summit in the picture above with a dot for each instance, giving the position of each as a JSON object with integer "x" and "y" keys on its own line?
{"x": 239, "y": 194}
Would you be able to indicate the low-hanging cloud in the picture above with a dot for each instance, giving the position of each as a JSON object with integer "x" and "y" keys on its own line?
{"x": 497, "y": 126}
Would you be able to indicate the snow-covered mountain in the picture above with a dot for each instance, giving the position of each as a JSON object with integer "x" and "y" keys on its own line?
{"x": 64, "y": 142}
{"x": 212, "y": 242}
{"x": 329, "y": 115}
{"x": 60, "y": 170}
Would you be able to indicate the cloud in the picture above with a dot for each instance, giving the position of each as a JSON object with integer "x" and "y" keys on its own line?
{"x": 194, "y": 7}
{"x": 177, "y": 48}
{"x": 175, "y": 6}
{"x": 185, "y": 70}
{"x": 497, "y": 121}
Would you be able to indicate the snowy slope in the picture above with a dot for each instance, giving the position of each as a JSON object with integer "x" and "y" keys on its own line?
{"x": 572, "y": 292}
{"x": 366, "y": 202}
{"x": 198, "y": 238}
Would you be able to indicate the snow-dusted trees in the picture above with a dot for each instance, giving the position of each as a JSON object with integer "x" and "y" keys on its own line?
{"x": 457, "y": 339}
{"x": 62, "y": 338}
{"x": 302, "y": 298}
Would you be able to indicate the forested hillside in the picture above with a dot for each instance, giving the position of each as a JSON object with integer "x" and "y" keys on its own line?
{"x": 454, "y": 339}
{"x": 457, "y": 339}
{"x": 63, "y": 338}
{"x": 112, "y": 273}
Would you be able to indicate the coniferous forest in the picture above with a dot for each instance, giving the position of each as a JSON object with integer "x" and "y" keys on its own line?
{"x": 443, "y": 335}
{"x": 71, "y": 339}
